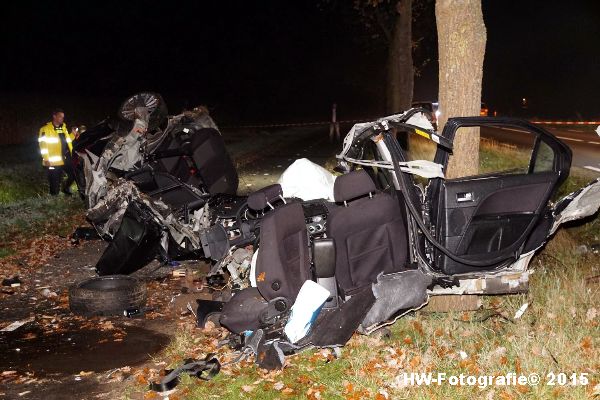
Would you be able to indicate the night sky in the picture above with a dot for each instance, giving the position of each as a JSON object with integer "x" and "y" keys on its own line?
{"x": 284, "y": 60}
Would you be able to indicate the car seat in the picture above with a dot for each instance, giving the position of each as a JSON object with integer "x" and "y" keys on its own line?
{"x": 369, "y": 232}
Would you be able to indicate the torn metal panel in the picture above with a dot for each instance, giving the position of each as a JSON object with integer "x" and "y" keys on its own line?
{"x": 577, "y": 205}
{"x": 395, "y": 293}
{"x": 513, "y": 283}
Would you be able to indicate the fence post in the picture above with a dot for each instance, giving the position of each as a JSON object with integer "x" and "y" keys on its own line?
{"x": 334, "y": 126}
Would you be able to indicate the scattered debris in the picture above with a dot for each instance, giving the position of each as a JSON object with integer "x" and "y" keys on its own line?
{"x": 12, "y": 282}
{"x": 48, "y": 293}
{"x": 179, "y": 273}
{"x": 521, "y": 311}
{"x": 204, "y": 369}
{"x": 17, "y": 324}
{"x": 582, "y": 249}
{"x": 84, "y": 233}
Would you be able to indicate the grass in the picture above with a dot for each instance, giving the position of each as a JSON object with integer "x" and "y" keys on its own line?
{"x": 557, "y": 333}
{"x": 493, "y": 156}
{"x": 26, "y": 210}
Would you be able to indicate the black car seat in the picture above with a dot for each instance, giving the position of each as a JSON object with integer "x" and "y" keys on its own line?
{"x": 369, "y": 232}
{"x": 198, "y": 157}
{"x": 266, "y": 198}
{"x": 283, "y": 262}
{"x": 282, "y": 267}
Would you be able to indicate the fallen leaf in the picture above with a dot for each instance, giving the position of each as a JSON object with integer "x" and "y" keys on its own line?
{"x": 287, "y": 390}
{"x": 591, "y": 314}
{"x": 506, "y": 396}
{"x": 151, "y": 395}
{"x": 141, "y": 380}
{"x": 573, "y": 312}
{"x": 209, "y": 326}
{"x": 586, "y": 343}
{"x": 415, "y": 361}
{"x": 517, "y": 365}
{"x": 313, "y": 394}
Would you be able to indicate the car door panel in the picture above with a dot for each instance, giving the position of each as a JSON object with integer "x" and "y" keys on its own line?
{"x": 492, "y": 216}
{"x": 499, "y": 212}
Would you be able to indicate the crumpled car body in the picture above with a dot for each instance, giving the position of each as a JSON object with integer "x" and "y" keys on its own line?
{"x": 385, "y": 243}
{"x": 147, "y": 180}
{"x": 373, "y": 243}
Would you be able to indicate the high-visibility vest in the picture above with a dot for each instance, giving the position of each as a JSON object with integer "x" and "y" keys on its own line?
{"x": 51, "y": 146}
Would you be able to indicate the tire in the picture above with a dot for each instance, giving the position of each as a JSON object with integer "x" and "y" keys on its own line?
{"x": 107, "y": 295}
{"x": 152, "y": 101}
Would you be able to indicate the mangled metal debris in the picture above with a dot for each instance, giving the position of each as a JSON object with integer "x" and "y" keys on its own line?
{"x": 368, "y": 246}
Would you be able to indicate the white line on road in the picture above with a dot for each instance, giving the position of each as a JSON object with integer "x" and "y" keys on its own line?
{"x": 593, "y": 142}
{"x": 574, "y": 130}
{"x": 592, "y": 168}
{"x": 515, "y": 130}
{"x": 568, "y": 138}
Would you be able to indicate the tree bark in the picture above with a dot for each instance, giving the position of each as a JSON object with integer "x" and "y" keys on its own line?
{"x": 400, "y": 63}
{"x": 461, "y": 45}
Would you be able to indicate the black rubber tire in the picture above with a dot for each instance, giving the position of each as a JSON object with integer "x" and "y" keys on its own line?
{"x": 107, "y": 295}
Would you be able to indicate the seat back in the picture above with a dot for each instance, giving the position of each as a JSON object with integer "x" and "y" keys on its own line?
{"x": 283, "y": 263}
{"x": 265, "y": 198}
{"x": 369, "y": 232}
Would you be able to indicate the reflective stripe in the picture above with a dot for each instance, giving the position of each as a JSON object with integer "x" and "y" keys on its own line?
{"x": 44, "y": 151}
{"x": 68, "y": 139}
{"x": 42, "y": 139}
{"x": 52, "y": 140}
{"x": 55, "y": 159}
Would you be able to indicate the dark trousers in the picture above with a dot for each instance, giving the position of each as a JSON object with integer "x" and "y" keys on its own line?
{"x": 55, "y": 175}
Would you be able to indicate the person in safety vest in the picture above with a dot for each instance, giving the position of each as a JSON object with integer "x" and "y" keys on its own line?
{"x": 55, "y": 146}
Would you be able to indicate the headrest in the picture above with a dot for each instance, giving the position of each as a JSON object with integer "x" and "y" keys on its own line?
{"x": 258, "y": 200}
{"x": 352, "y": 185}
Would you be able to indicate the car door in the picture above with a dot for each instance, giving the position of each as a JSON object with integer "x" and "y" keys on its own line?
{"x": 487, "y": 220}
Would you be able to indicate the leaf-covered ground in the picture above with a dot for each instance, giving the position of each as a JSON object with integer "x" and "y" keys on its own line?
{"x": 558, "y": 332}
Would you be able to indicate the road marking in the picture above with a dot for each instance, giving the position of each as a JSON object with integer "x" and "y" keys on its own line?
{"x": 574, "y": 130}
{"x": 594, "y": 142}
{"x": 515, "y": 130}
{"x": 592, "y": 168}
{"x": 568, "y": 138}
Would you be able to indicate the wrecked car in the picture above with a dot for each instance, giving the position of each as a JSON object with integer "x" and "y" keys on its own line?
{"x": 317, "y": 257}
{"x": 147, "y": 179}
{"x": 385, "y": 243}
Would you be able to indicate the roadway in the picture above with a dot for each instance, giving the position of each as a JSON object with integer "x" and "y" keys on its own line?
{"x": 583, "y": 141}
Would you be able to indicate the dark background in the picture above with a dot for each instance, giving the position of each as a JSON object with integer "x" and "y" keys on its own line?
{"x": 277, "y": 61}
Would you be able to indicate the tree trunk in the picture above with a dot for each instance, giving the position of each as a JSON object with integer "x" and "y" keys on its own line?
{"x": 400, "y": 62}
{"x": 461, "y": 45}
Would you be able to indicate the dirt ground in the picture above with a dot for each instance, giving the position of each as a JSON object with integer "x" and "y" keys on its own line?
{"x": 62, "y": 356}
